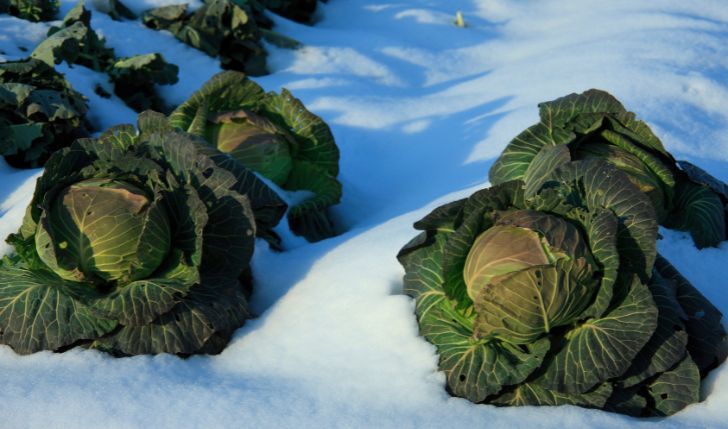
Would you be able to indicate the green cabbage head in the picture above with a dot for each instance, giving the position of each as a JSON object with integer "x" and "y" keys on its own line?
{"x": 594, "y": 125}
{"x": 273, "y": 135}
{"x": 551, "y": 292}
{"x": 136, "y": 242}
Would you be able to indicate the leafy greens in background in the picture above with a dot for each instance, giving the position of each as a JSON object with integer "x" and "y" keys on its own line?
{"x": 595, "y": 125}
{"x": 134, "y": 78}
{"x": 39, "y": 112}
{"x": 220, "y": 28}
{"x": 273, "y": 135}
{"x": 231, "y": 29}
{"x": 31, "y": 10}
{"x": 135, "y": 242}
{"x": 546, "y": 291}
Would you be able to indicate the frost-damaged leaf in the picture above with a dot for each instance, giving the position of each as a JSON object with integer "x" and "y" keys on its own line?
{"x": 707, "y": 338}
{"x": 602, "y": 348}
{"x": 676, "y": 389}
{"x": 698, "y": 175}
{"x": 38, "y": 311}
{"x": 531, "y": 394}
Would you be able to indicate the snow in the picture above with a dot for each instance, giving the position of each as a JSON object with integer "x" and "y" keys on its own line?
{"x": 419, "y": 108}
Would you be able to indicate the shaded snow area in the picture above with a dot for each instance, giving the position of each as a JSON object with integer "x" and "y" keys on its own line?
{"x": 419, "y": 108}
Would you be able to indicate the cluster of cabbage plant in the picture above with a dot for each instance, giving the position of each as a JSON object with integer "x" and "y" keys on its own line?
{"x": 134, "y": 78}
{"x": 273, "y": 135}
{"x": 595, "y": 125}
{"x": 136, "y": 242}
{"x": 39, "y": 112}
{"x": 220, "y": 28}
{"x": 547, "y": 292}
{"x": 31, "y": 10}
{"x": 231, "y": 30}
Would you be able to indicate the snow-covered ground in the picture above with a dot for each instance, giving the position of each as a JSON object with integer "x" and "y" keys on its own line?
{"x": 420, "y": 108}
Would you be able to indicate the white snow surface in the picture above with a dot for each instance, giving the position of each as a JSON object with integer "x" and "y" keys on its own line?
{"x": 419, "y": 108}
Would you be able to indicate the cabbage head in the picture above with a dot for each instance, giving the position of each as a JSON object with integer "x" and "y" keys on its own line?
{"x": 553, "y": 294}
{"x": 135, "y": 242}
{"x": 39, "y": 112}
{"x": 594, "y": 125}
{"x": 273, "y": 135}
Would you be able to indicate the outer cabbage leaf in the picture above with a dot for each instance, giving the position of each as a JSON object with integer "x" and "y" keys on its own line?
{"x": 595, "y": 125}
{"x": 667, "y": 346}
{"x": 604, "y": 348}
{"x": 217, "y": 305}
{"x": 702, "y": 212}
{"x": 707, "y": 338}
{"x": 40, "y": 311}
{"x": 533, "y": 394}
{"x": 675, "y": 389}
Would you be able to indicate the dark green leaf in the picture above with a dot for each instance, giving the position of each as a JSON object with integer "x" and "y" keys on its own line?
{"x": 532, "y": 394}
{"x": 667, "y": 345}
{"x": 707, "y": 339}
{"x": 700, "y": 210}
{"x": 675, "y": 389}
{"x": 545, "y": 161}
{"x": 37, "y": 312}
{"x": 603, "y": 348}
{"x": 217, "y": 305}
